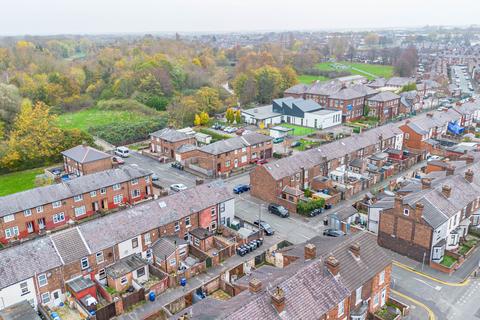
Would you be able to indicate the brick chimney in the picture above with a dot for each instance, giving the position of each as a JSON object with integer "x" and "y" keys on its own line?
{"x": 398, "y": 202}
{"x": 333, "y": 265}
{"x": 468, "y": 158}
{"x": 426, "y": 183}
{"x": 469, "y": 175}
{"x": 355, "y": 249}
{"x": 310, "y": 251}
{"x": 429, "y": 114}
{"x": 418, "y": 210}
{"x": 446, "y": 190}
{"x": 278, "y": 299}
{"x": 254, "y": 285}
{"x": 450, "y": 170}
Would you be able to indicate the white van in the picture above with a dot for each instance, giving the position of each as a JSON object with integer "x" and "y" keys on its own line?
{"x": 122, "y": 152}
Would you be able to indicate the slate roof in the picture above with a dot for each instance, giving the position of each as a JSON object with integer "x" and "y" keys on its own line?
{"x": 23, "y": 261}
{"x": 19, "y": 311}
{"x": 79, "y": 284}
{"x": 346, "y": 94}
{"x": 345, "y": 213}
{"x": 384, "y": 96}
{"x": 165, "y": 246}
{"x": 399, "y": 81}
{"x": 118, "y": 227}
{"x": 235, "y": 143}
{"x": 85, "y": 154}
{"x": 424, "y": 123}
{"x": 170, "y": 135}
{"x": 201, "y": 233}
{"x": 261, "y": 113}
{"x": 186, "y": 148}
{"x": 33, "y": 198}
{"x": 125, "y": 266}
{"x": 364, "y": 89}
{"x": 70, "y": 245}
{"x": 378, "y": 83}
{"x": 325, "y": 89}
{"x": 468, "y": 108}
{"x": 297, "y": 89}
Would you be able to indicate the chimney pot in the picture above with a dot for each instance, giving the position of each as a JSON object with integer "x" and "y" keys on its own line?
{"x": 333, "y": 265}
{"x": 450, "y": 170}
{"x": 469, "y": 175}
{"x": 254, "y": 285}
{"x": 310, "y": 251}
{"x": 278, "y": 299}
{"x": 426, "y": 183}
{"x": 355, "y": 249}
{"x": 446, "y": 190}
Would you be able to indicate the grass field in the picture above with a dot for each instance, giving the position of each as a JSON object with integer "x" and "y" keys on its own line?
{"x": 18, "y": 181}
{"x": 87, "y": 118}
{"x": 308, "y": 78}
{"x": 297, "y": 130}
{"x": 368, "y": 69}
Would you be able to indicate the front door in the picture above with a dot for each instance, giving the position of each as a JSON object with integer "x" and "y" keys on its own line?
{"x": 95, "y": 206}
{"x": 57, "y": 297}
{"x": 41, "y": 223}
{"x": 30, "y": 226}
{"x": 235, "y": 163}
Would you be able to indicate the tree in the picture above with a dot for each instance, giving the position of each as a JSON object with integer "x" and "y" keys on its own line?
{"x": 182, "y": 111}
{"x": 269, "y": 83}
{"x": 406, "y": 64}
{"x": 238, "y": 116}
{"x": 208, "y": 100}
{"x": 204, "y": 118}
{"x": 289, "y": 77}
{"x": 197, "y": 121}
{"x": 371, "y": 39}
{"x": 245, "y": 88}
{"x": 9, "y": 102}
{"x": 230, "y": 115}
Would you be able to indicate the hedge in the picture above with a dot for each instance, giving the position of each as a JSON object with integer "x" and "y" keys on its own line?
{"x": 304, "y": 207}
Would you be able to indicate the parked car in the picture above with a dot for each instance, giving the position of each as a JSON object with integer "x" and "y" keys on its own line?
{"x": 178, "y": 187}
{"x": 118, "y": 160}
{"x": 262, "y": 161}
{"x": 123, "y": 152}
{"x": 264, "y": 226}
{"x": 278, "y": 140}
{"x": 333, "y": 233}
{"x": 296, "y": 144}
{"x": 241, "y": 188}
{"x": 154, "y": 177}
{"x": 177, "y": 165}
{"x": 217, "y": 126}
{"x": 315, "y": 212}
{"x": 278, "y": 210}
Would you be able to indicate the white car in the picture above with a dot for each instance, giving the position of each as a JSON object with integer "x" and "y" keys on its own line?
{"x": 178, "y": 187}
{"x": 122, "y": 152}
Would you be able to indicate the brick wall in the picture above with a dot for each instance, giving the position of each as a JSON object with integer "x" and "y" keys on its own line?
{"x": 73, "y": 167}
{"x": 168, "y": 148}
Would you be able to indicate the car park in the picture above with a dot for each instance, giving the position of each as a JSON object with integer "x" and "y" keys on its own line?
{"x": 264, "y": 226}
{"x": 241, "y": 188}
{"x": 333, "y": 233}
{"x": 123, "y": 152}
{"x": 178, "y": 187}
{"x": 278, "y": 210}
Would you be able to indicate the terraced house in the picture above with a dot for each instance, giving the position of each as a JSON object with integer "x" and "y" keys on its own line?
{"x": 42, "y": 270}
{"x": 35, "y": 211}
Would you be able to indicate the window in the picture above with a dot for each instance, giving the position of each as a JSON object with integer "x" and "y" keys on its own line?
{"x": 148, "y": 254}
{"x": 8, "y": 218}
{"x": 93, "y": 194}
{"x": 45, "y": 297}
{"x": 102, "y": 274}
{"x": 187, "y": 221}
{"x": 222, "y": 207}
{"x": 78, "y": 197}
{"x": 57, "y": 204}
{"x": 140, "y": 272}
{"x": 84, "y": 263}
{"x": 197, "y": 242}
{"x": 358, "y": 295}
{"x": 27, "y": 212}
{"x": 173, "y": 262}
{"x": 185, "y": 236}
{"x": 381, "y": 278}
{"x": 177, "y": 226}
{"x": 79, "y": 211}
{"x": 227, "y": 163}
{"x": 11, "y": 232}
{"x": 39, "y": 209}
{"x": 212, "y": 212}
{"x": 56, "y": 295}
{"x": 244, "y": 149}
{"x": 134, "y": 181}
{"x": 182, "y": 252}
{"x": 244, "y": 159}
{"x": 146, "y": 238}
{"x": 407, "y": 136}
{"x": 213, "y": 225}
{"x": 59, "y": 217}
{"x": 103, "y": 190}
{"x": 375, "y": 300}
{"x": 135, "y": 193}
{"x": 147, "y": 179}
{"x": 99, "y": 257}
{"x": 134, "y": 243}
{"x": 123, "y": 281}
{"x": 116, "y": 186}
{"x": 341, "y": 308}
{"x": 24, "y": 288}
{"x": 118, "y": 199}
{"x": 42, "y": 280}
{"x": 406, "y": 212}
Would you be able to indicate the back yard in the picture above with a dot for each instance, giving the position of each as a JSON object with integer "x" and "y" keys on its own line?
{"x": 18, "y": 181}
{"x": 298, "y": 130}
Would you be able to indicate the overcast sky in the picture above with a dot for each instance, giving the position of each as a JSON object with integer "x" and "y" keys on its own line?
{"x": 18, "y": 17}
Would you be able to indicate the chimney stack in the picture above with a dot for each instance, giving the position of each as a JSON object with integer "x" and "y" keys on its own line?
{"x": 355, "y": 249}
{"x": 426, "y": 183}
{"x": 468, "y": 158}
{"x": 278, "y": 299}
{"x": 310, "y": 251}
{"x": 469, "y": 175}
{"x": 398, "y": 202}
{"x": 430, "y": 115}
{"x": 333, "y": 265}
{"x": 418, "y": 210}
{"x": 254, "y": 285}
{"x": 450, "y": 170}
{"x": 446, "y": 190}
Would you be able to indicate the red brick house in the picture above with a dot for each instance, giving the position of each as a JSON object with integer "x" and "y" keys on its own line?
{"x": 82, "y": 159}
{"x": 37, "y": 210}
{"x": 167, "y": 141}
{"x": 384, "y": 105}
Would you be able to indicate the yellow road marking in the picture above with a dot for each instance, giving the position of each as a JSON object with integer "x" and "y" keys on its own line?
{"x": 451, "y": 284}
{"x": 431, "y": 315}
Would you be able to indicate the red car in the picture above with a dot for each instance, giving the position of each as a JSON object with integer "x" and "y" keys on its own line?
{"x": 259, "y": 161}
{"x": 118, "y": 160}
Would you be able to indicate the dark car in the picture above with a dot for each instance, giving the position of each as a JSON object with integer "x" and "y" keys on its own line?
{"x": 241, "y": 188}
{"x": 278, "y": 210}
{"x": 264, "y": 226}
{"x": 333, "y": 233}
{"x": 315, "y": 212}
{"x": 296, "y": 144}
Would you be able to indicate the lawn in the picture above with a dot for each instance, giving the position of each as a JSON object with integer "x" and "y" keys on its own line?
{"x": 297, "y": 130}
{"x": 363, "y": 69}
{"x": 90, "y": 117}
{"x": 448, "y": 261}
{"x": 308, "y": 78}
{"x": 307, "y": 144}
{"x": 18, "y": 181}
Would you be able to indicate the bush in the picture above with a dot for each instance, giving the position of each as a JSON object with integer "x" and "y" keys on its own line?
{"x": 158, "y": 103}
{"x": 277, "y": 155}
{"x": 125, "y": 105}
{"x": 215, "y": 136}
{"x": 126, "y": 133}
{"x": 304, "y": 207}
